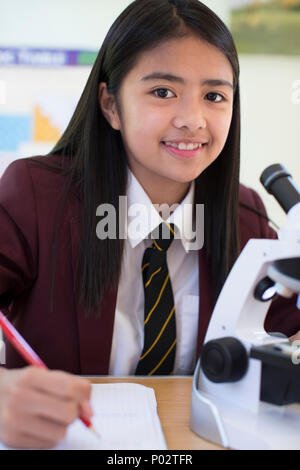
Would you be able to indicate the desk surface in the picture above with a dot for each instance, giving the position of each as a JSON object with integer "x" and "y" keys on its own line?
{"x": 173, "y": 395}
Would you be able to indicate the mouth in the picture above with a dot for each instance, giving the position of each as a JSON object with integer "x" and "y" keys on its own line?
{"x": 185, "y": 151}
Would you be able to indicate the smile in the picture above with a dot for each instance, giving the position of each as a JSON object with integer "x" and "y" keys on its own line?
{"x": 184, "y": 146}
{"x": 184, "y": 150}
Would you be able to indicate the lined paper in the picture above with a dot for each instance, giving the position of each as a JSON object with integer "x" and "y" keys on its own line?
{"x": 125, "y": 416}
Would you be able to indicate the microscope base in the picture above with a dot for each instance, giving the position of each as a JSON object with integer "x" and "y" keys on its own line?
{"x": 272, "y": 427}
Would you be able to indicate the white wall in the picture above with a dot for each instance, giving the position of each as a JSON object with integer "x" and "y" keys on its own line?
{"x": 65, "y": 23}
{"x": 270, "y": 121}
{"x": 69, "y": 24}
{"x": 221, "y": 8}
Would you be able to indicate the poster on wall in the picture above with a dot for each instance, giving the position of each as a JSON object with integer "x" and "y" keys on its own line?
{"x": 39, "y": 90}
{"x": 266, "y": 26}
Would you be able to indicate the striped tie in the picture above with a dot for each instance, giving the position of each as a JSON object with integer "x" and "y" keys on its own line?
{"x": 158, "y": 354}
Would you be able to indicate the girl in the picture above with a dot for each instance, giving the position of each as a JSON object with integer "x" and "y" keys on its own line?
{"x": 159, "y": 123}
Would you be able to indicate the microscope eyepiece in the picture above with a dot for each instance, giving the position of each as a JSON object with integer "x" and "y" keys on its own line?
{"x": 278, "y": 182}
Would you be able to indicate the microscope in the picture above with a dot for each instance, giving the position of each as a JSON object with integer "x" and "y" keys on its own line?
{"x": 246, "y": 385}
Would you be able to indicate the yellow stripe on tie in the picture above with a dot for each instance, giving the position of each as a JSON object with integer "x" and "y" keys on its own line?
{"x": 145, "y": 266}
{"x": 155, "y": 272}
{"x": 162, "y": 360}
{"x": 158, "y": 247}
{"x": 161, "y": 332}
{"x": 170, "y": 228}
{"x": 158, "y": 299}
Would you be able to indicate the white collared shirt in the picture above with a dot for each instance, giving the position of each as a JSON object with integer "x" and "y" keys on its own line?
{"x": 128, "y": 333}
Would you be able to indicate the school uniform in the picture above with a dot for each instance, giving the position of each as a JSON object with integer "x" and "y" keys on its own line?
{"x": 65, "y": 337}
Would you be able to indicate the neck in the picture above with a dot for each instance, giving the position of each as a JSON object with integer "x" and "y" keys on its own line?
{"x": 163, "y": 191}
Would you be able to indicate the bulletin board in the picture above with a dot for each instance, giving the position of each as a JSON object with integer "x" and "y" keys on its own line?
{"x": 39, "y": 90}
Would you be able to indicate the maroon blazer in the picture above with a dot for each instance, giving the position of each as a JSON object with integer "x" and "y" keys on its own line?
{"x": 64, "y": 337}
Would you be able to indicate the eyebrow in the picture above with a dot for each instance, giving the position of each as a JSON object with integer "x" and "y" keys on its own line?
{"x": 174, "y": 78}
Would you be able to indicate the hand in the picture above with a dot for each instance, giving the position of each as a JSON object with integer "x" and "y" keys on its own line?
{"x": 295, "y": 337}
{"x": 37, "y": 406}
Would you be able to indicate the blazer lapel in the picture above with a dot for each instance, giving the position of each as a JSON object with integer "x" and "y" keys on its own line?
{"x": 94, "y": 333}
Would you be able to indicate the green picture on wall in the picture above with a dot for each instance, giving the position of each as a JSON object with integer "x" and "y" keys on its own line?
{"x": 266, "y": 26}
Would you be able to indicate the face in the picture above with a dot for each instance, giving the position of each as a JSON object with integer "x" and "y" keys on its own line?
{"x": 178, "y": 92}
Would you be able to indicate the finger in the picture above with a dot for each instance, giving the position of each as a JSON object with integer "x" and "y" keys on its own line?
{"x": 19, "y": 439}
{"x": 50, "y": 433}
{"x": 58, "y": 409}
{"x": 27, "y": 442}
{"x": 58, "y": 383}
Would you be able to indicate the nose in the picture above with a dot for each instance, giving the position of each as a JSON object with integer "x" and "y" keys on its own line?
{"x": 190, "y": 115}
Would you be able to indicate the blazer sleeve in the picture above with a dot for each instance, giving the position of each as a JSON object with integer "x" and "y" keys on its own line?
{"x": 18, "y": 232}
{"x": 283, "y": 315}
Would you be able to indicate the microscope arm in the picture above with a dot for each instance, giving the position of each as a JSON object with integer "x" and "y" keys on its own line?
{"x": 237, "y": 312}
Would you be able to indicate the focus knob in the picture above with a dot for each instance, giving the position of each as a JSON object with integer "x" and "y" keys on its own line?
{"x": 224, "y": 360}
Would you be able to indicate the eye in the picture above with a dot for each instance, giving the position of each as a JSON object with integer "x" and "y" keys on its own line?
{"x": 162, "y": 92}
{"x": 215, "y": 97}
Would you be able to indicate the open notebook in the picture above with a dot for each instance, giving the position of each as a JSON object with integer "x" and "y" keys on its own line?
{"x": 125, "y": 416}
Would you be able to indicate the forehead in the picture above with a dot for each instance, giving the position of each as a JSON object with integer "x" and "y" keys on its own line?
{"x": 189, "y": 57}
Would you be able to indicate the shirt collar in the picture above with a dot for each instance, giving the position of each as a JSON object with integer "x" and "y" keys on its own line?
{"x": 143, "y": 217}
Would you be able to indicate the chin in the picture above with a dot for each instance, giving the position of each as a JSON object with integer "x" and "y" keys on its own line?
{"x": 183, "y": 178}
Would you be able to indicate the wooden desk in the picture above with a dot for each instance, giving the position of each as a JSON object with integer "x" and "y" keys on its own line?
{"x": 173, "y": 395}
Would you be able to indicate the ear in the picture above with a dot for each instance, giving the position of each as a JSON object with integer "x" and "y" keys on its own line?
{"x": 108, "y": 106}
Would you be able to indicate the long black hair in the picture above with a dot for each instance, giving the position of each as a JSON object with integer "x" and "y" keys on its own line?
{"x": 95, "y": 155}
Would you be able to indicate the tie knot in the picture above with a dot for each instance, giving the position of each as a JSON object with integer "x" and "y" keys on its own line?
{"x": 163, "y": 236}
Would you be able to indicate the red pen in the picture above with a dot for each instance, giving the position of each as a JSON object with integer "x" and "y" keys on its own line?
{"x": 28, "y": 353}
